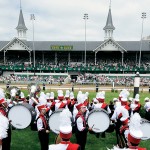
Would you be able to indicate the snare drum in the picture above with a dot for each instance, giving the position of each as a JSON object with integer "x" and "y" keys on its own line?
{"x": 54, "y": 121}
{"x": 145, "y": 127}
{"x": 22, "y": 115}
{"x": 98, "y": 120}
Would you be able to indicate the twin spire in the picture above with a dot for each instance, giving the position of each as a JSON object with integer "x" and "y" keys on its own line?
{"x": 21, "y": 28}
{"x": 109, "y": 27}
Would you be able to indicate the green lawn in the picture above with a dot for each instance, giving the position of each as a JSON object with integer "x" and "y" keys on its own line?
{"x": 28, "y": 140}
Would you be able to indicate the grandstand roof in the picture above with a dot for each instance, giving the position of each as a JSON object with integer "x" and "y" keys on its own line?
{"x": 80, "y": 45}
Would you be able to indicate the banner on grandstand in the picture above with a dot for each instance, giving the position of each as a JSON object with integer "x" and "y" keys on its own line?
{"x": 61, "y": 47}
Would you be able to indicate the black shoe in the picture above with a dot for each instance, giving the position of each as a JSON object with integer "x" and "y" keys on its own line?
{"x": 97, "y": 135}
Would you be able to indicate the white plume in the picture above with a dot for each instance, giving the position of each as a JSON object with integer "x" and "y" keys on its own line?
{"x": 137, "y": 96}
{"x": 2, "y": 94}
{"x": 80, "y": 98}
{"x": 135, "y": 122}
{"x": 65, "y": 117}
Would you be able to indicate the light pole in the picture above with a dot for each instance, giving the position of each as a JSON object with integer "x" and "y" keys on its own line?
{"x": 143, "y": 17}
{"x": 85, "y": 18}
{"x": 32, "y": 19}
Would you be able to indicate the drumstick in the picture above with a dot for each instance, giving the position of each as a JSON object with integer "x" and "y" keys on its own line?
{"x": 93, "y": 126}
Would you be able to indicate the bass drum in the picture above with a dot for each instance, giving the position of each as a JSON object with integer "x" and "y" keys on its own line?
{"x": 98, "y": 120}
{"x": 145, "y": 127}
{"x": 54, "y": 121}
{"x": 22, "y": 115}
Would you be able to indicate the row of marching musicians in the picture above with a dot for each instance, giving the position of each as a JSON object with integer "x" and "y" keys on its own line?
{"x": 47, "y": 103}
{"x": 120, "y": 116}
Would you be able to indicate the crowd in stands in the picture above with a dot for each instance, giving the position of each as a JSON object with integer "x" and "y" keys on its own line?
{"x": 47, "y": 79}
{"x": 104, "y": 65}
{"x": 108, "y": 80}
{"x": 81, "y": 79}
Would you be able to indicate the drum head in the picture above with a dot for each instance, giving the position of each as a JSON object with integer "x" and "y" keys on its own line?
{"x": 20, "y": 116}
{"x": 98, "y": 120}
{"x": 145, "y": 127}
{"x": 54, "y": 121}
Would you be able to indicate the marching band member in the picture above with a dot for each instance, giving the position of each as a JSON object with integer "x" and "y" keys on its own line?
{"x": 52, "y": 100}
{"x": 147, "y": 108}
{"x": 130, "y": 100}
{"x": 43, "y": 128}
{"x": 124, "y": 124}
{"x": 124, "y": 100}
{"x": 100, "y": 96}
{"x": 4, "y": 124}
{"x": 136, "y": 106}
{"x": 72, "y": 102}
{"x": 6, "y": 141}
{"x": 80, "y": 120}
{"x": 87, "y": 101}
{"x": 112, "y": 106}
{"x": 34, "y": 91}
{"x": 116, "y": 119}
{"x": 65, "y": 129}
{"x": 102, "y": 104}
{"x": 67, "y": 94}
{"x": 133, "y": 134}
{"x": 22, "y": 98}
{"x": 60, "y": 103}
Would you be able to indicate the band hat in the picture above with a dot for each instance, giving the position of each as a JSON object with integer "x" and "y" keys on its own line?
{"x": 42, "y": 100}
{"x": 100, "y": 96}
{"x": 42, "y": 94}
{"x": 79, "y": 106}
{"x": 71, "y": 95}
{"x": 86, "y": 95}
{"x": 2, "y": 94}
{"x": 137, "y": 98}
{"x": 67, "y": 93}
{"x": 80, "y": 98}
{"x": 125, "y": 95}
{"x": 47, "y": 96}
{"x": 146, "y": 99}
{"x": 52, "y": 95}
{"x": 135, "y": 132}
{"x": 22, "y": 95}
{"x": 60, "y": 95}
{"x": 65, "y": 127}
{"x": 2, "y": 101}
{"x": 95, "y": 100}
{"x": 40, "y": 107}
{"x": 79, "y": 92}
{"x": 115, "y": 99}
{"x": 103, "y": 92}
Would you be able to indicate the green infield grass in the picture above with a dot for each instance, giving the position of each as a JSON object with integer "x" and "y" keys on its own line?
{"x": 27, "y": 139}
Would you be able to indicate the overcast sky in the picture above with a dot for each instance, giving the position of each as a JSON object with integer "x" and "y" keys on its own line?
{"x": 62, "y": 20}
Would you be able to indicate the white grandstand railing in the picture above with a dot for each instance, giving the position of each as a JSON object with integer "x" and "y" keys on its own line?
{"x": 50, "y": 74}
{"x": 120, "y": 75}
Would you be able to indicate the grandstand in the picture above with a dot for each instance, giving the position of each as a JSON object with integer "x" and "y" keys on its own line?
{"x": 67, "y": 58}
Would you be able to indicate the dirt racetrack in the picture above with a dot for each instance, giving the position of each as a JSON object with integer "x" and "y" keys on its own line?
{"x": 89, "y": 87}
